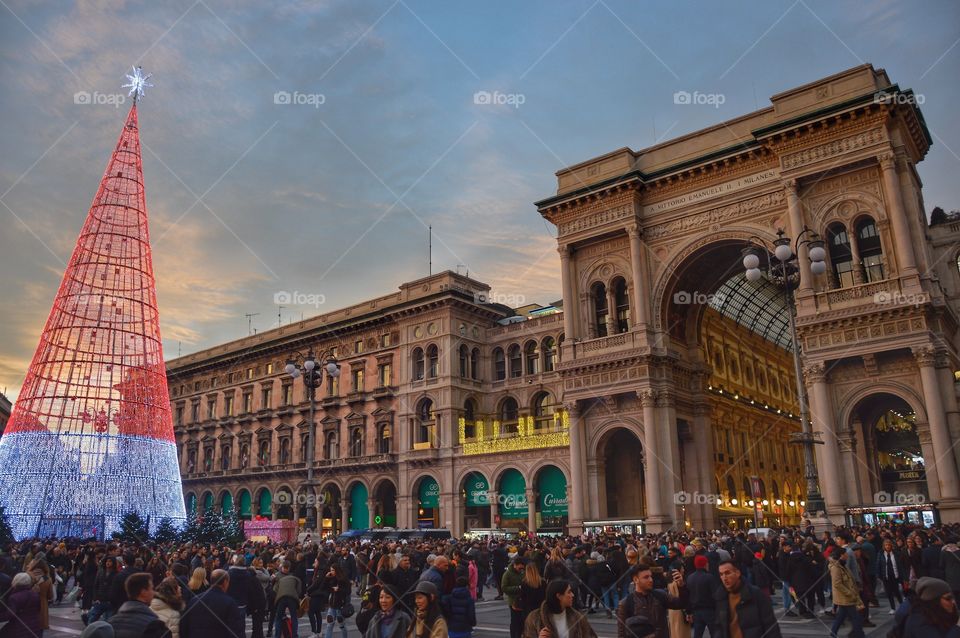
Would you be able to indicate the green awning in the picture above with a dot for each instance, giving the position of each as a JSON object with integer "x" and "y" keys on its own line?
{"x": 359, "y": 512}
{"x": 429, "y": 493}
{"x": 552, "y": 486}
{"x": 477, "y": 490}
{"x": 513, "y": 495}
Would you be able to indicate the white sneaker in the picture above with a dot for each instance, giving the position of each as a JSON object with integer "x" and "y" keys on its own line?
{"x": 893, "y": 611}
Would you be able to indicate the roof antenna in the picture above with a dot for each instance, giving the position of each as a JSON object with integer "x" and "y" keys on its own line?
{"x": 250, "y": 316}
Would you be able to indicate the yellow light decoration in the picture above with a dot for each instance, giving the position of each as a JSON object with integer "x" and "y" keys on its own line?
{"x": 479, "y": 430}
{"x": 513, "y": 444}
{"x": 462, "y": 423}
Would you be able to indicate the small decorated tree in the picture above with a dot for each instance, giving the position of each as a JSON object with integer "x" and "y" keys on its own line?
{"x": 166, "y": 531}
{"x": 191, "y": 529}
{"x": 133, "y": 528}
{"x": 232, "y": 528}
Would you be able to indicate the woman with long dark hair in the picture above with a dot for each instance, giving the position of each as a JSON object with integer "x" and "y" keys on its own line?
{"x": 557, "y": 615}
{"x": 934, "y": 611}
{"x": 429, "y": 621}
{"x": 338, "y": 584}
{"x": 390, "y": 621}
{"x": 319, "y": 597}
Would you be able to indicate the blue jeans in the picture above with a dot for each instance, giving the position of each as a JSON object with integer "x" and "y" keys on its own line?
{"x": 703, "y": 619}
{"x": 100, "y": 610}
{"x": 787, "y": 600}
{"x": 291, "y": 605}
{"x": 844, "y": 612}
{"x": 611, "y": 597}
{"x": 328, "y": 629}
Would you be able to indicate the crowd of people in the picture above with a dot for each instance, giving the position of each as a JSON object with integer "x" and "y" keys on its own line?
{"x": 673, "y": 585}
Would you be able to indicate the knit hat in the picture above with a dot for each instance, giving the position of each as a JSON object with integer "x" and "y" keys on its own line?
{"x": 426, "y": 587}
{"x": 931, "y": 588}
{"x": 700, "y": 562}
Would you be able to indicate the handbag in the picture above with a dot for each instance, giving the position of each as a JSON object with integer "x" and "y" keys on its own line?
{"x": 347, "y": 610}
{"x": 304, "y": 606}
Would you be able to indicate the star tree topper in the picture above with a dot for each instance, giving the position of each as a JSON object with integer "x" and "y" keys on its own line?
{"x": 137, "y": 83}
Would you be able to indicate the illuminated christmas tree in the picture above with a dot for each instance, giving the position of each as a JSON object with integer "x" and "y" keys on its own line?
{"x": 90, "y": 437}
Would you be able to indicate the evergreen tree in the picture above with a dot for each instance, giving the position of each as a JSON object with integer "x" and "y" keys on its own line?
{"x": 191, "y": 529}
{"x": 166, "y": 531}
{"x": 937, "y": 216}
{"x": 6, "y": 534}
{"x": 211, "y": 528}
{"x": 232, "y": 528}
{"x": 133, "y": 528}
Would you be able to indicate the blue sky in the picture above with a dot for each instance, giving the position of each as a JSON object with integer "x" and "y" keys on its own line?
{"x": 333, "y": 199}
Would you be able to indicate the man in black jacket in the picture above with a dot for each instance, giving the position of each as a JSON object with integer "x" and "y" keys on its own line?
{"x": 702, "y": 587}
{"x": 741, "y": 603}
{"x": 246, "y": 590}
{"x": 118, "y": 592}
{"x": 500, "y": 560}
{"x": 213, "y": 614}
{"x": 134, "y": 618}
{"x": 648, "y": 603}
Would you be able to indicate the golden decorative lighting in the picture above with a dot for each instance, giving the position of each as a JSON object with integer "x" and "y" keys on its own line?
{"x": 527, "y": 437}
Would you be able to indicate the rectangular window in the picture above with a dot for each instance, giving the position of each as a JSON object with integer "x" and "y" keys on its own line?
{"x": 358, "y": 346}
{"x": 873, "y": 268}
{"x": 196, "y": 386}
{"x": 249, "y": 373}
{"x": 178, "y": 418}
{"x": 844, "y": 272}
{"x": 385, "y": 340}
{"x": 383, "y": 375}
{"x": 228, "y": 406}
{"x": 195, "y": 412}
{"x": 333, "y": 386}
{"x": 213, "y": 382}
{"x": 269, "y": 368}
{"x": 247, "y": 402}
{"x": 287, "y": 394}
{"x": 212, "y": 409}
{"x": 358, "y": 380}
{"x": 266, "y": 399}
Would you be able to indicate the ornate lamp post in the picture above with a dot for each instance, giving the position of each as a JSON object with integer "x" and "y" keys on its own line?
{"x": 783, "y": 270}
{"x": 313, "y": 375}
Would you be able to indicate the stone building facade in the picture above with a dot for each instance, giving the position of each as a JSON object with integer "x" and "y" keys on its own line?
{"x": 662, "y": 388}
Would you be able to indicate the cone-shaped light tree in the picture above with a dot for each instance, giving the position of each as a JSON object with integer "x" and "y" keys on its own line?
{"x": 90, "y": 437}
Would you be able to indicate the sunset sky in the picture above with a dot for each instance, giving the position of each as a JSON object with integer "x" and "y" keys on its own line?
{"x": 331, "y": 194}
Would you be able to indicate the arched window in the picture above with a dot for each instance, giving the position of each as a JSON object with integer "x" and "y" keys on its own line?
{"x": 531, "y": 355}
{"x": 304, "y": 447}
{"x": 622, "y": 301}
{"x": 208, "y": 459}
{"x": 426, "y": 421}
{"x": 509, "y": 414}
{"x": 225, "y": 457}
{"x": 470, "y": 419}
{"x": 356, "y": 442}
{"x": 731, "y": 488}
{"x": 433, "y": 361}
{"x": 543, "y": 410}
{"x": 841, "y": 258}
{"x": 330, "y": 446}
{"x": 191, "y": 461}
{"x": 549, "y": 348}
{"x": 598, "y": 293}
{"x": 499, "y": 365}
{"x": 560, "y": 347}
{"x": 383, "y": 438}
{"x": 244, "y": 456}
{"x": 871, "y": 253}
{"x": 418, "y": 364}
{"x": 475, "y": 364}
{"x": 464, "y": 362}
{"x": 284, "y": 451}
{"x": 516, "y": 361}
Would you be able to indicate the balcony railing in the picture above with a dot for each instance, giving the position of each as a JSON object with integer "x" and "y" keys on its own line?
{"x": 880, "y": 294}
{"x": 603, "y": 345}
{"x": 527, "y": 437}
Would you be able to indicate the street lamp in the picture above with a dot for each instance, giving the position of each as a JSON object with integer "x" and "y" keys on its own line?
{"x": 783, "y": 270}
{"x": 313, "y": 376}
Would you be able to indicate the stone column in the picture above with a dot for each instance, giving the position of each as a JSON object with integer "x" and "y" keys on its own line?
{"x": 929, "y": 461}
{"x": 652, "y": 465}
{"x": 569, "y": 297}
{"x": 703, "y": 442}
{"x": 939, "y": 432}
{"x": 638, "y": 271}
{"x": 949, "y": 393}
{"x": 898, "y": 216}
{"x": 577, "y": 467}
{"x": 405, "y": 518}
{"x": 344, "y": 514}
{"x": 611, "y": 312}
{"x": 531, "y": 509}
{"x": 493, "y": 499}
{"x": 828, "y": 459}
{"x": 592, "y": 506}
{"x": 859, "y": 276}
{"x": 669, "y": 453}
{"x": 371, "y": 510}
{"x": 795, "y": 211}
{"x": 847, "y": 443}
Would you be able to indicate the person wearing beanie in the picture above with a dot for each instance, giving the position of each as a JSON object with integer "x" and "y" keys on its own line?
{"x": 933, "y": 613}
{"x": 701, "y": 589}
{"x": 98, "y": 629}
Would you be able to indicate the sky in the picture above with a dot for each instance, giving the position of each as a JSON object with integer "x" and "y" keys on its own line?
{"x": 305, "y": 147}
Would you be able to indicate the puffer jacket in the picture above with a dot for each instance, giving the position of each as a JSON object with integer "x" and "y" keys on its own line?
{"x": 22, "y": 609}
{"x": 136, "y": 620}
{"x": 460, "y": 610}
{"x": 168, "y": 614}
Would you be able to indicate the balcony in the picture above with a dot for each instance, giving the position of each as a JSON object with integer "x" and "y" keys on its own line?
{"x": 527, "y": 437}
{"x": 879, "y": 295}
{"x": 351, "y": 462}
{"x": 611, "y": 344}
